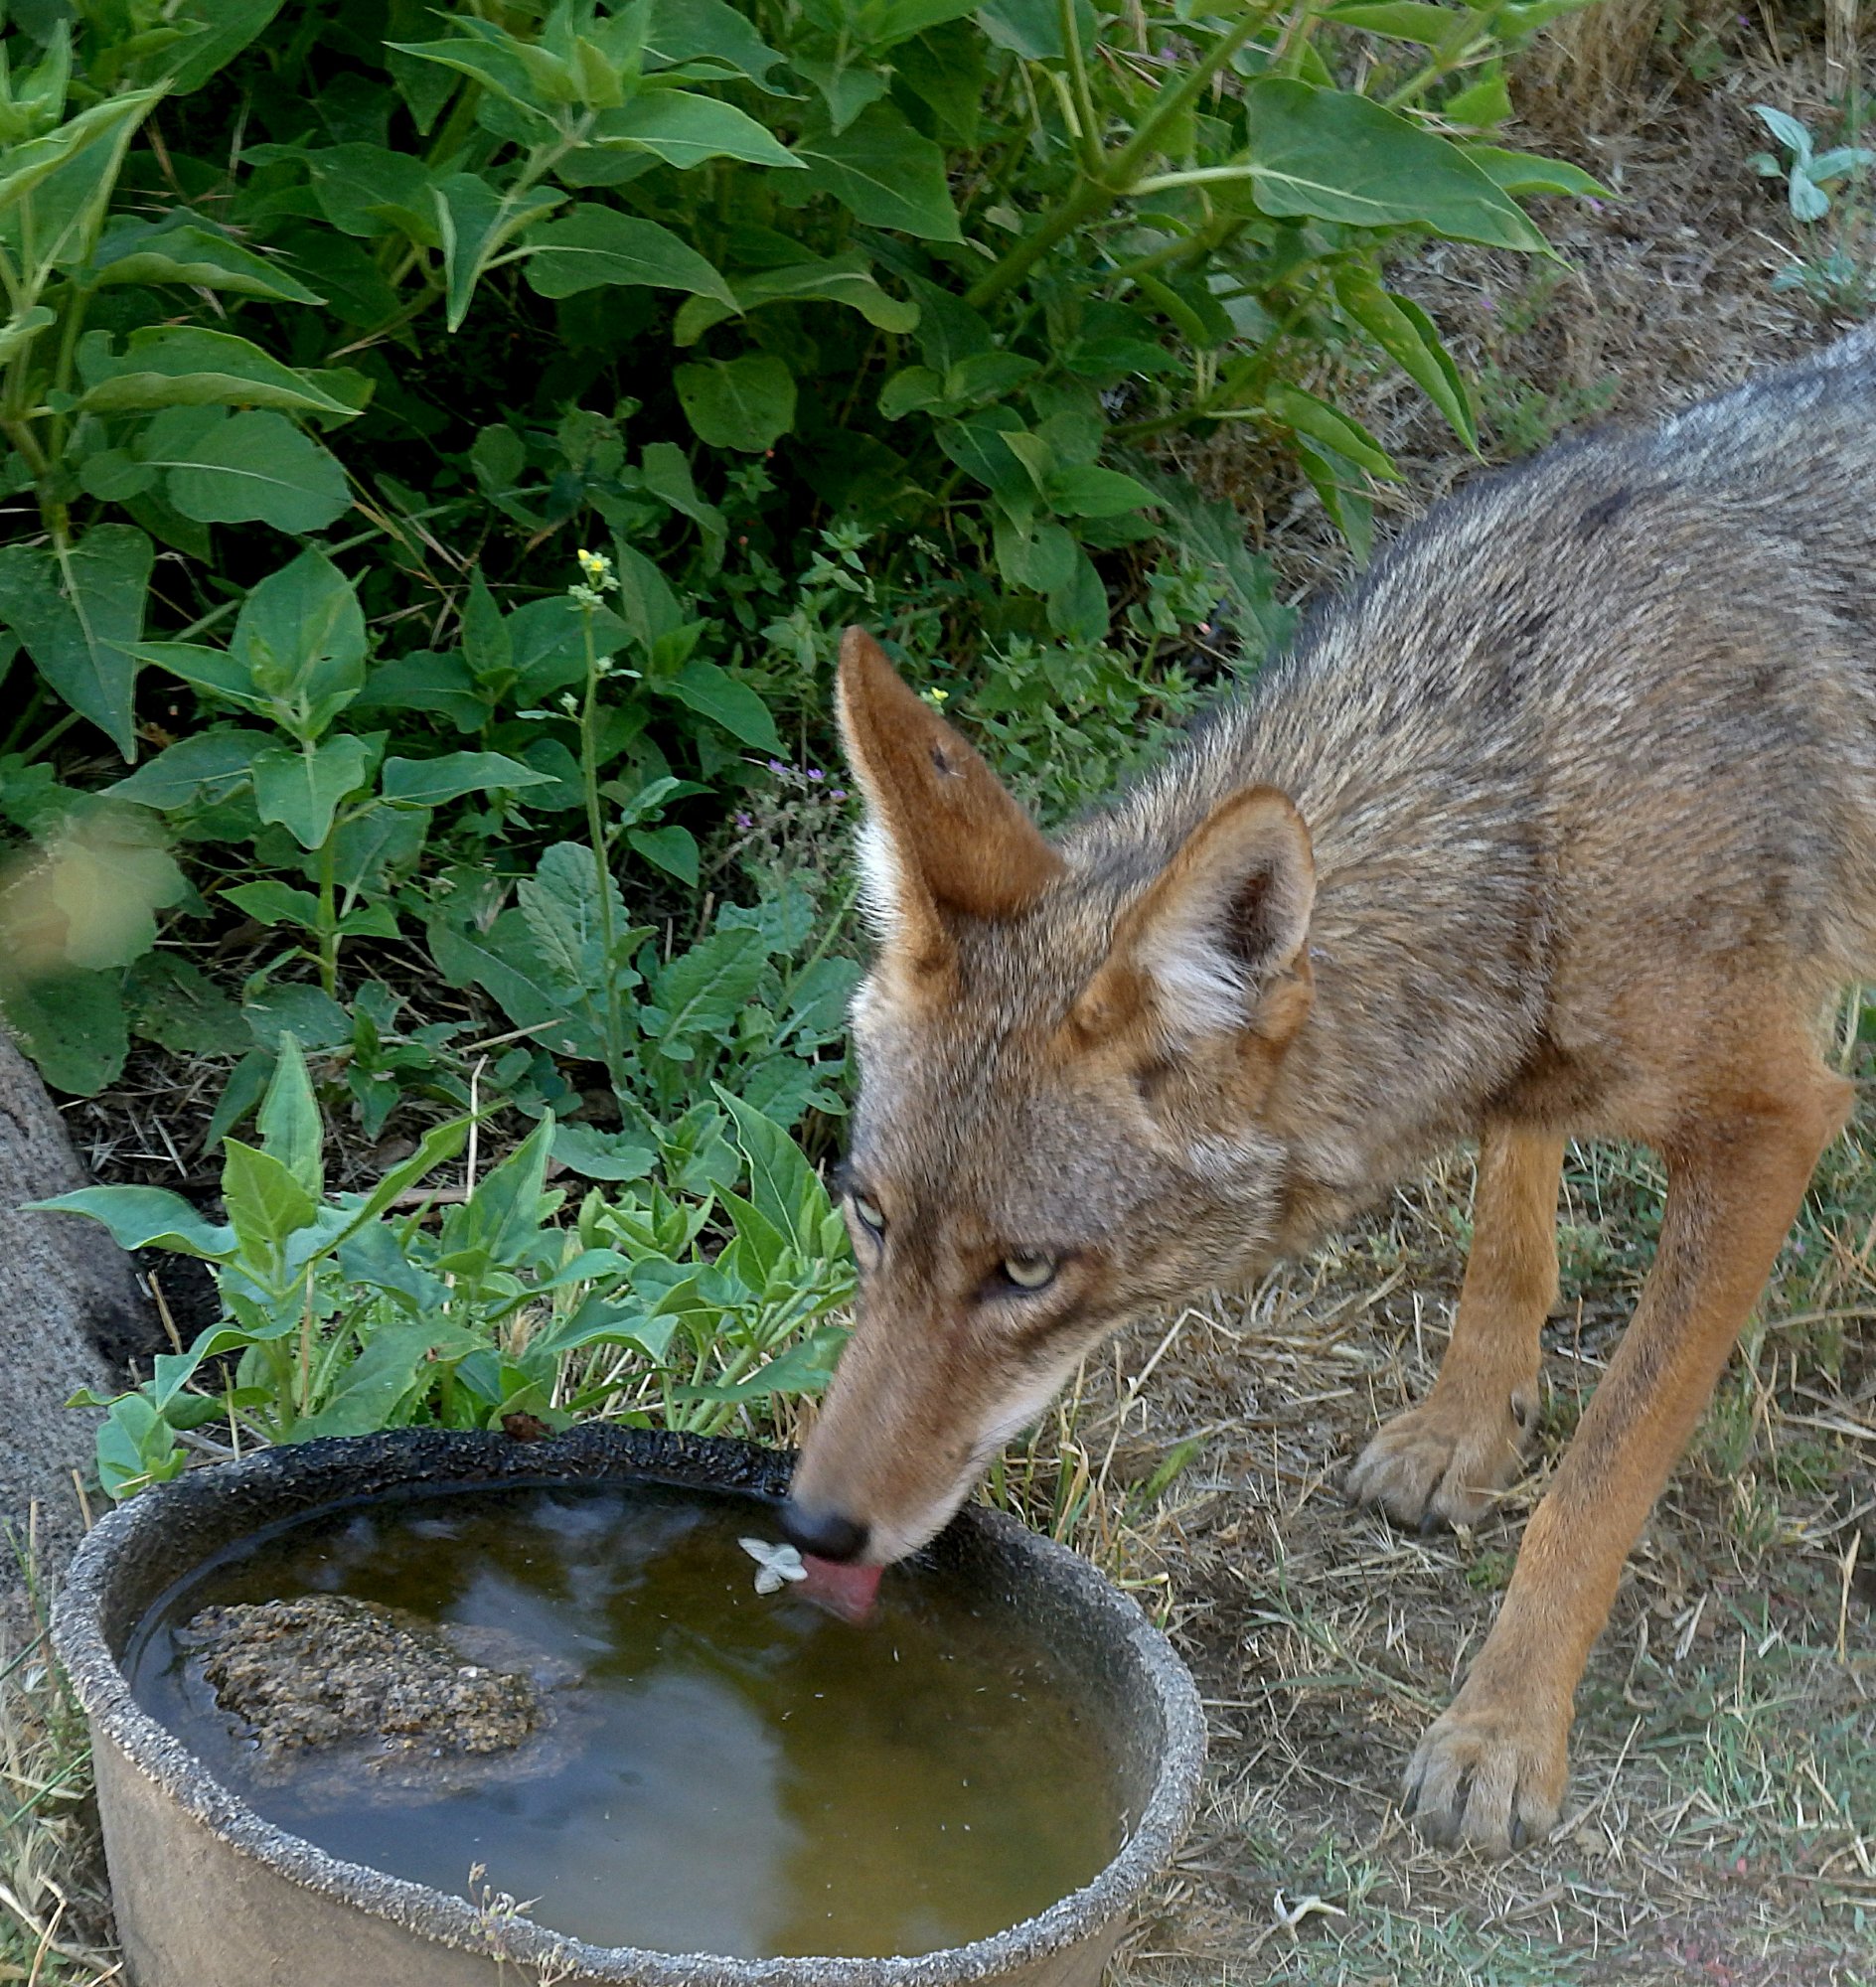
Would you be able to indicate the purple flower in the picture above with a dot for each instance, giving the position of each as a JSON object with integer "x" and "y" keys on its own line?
{"x": 745, "y": 821}
{"x": 1488, "y": 303}
{"x": 1595, "y": 205}
{"x": 776, "y": 766}
{"x": 815, "y": 773}
{"x": 837, "y": 794}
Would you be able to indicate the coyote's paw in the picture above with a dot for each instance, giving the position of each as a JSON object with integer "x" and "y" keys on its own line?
{"x": 1445, "y": 1461}
{"x": 1491, "y": 1777}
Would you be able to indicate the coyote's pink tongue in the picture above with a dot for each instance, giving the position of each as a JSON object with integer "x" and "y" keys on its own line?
{"x": 846, "y": 1590}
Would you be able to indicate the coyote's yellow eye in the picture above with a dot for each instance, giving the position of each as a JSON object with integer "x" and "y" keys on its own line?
{"x": 869, "y": 1214}
{"x": 1029, "y": 1273}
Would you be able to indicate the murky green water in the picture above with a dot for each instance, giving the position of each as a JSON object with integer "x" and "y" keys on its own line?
{"x": 726, "y": 1773}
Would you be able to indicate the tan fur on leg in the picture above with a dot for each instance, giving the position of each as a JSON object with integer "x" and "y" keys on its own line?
{"x": 1446, "y": 1460}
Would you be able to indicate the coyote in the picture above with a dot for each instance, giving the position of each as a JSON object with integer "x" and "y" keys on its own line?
{"x": 1562, "y": 823}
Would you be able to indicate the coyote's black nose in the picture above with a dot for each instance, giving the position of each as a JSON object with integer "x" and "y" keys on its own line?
{"x": 825, "y": 1534}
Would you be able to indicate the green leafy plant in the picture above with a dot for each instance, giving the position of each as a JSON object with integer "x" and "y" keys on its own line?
{"x": 347, "y": 1314}
{"x": 1806, "y": 171}
{"x": 328, "y": 346}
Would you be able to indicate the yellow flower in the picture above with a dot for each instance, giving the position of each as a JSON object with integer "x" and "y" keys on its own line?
{"x": 598, "y": 569}
{"x": 935, "y": 695}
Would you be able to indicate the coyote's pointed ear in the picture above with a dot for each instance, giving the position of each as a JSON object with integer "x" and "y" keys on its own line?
{"x": 1216, "y": 944}
{"x": 943, "y": 835}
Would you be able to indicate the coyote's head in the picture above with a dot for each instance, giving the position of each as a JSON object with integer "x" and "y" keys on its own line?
{"x": 1067, "y": 1055}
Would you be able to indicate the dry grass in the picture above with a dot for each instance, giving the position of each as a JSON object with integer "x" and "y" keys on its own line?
{"x": 55, "y": 1921}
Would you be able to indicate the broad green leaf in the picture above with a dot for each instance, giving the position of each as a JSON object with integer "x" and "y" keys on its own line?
{"x": 273, "y": 902}
{"x": 425, "y": 680}
{"x": 504, "y": 1214}
{"x": 475, "y": 223}
{"x": 1485, "y": 105}
{"x": 745, "y": 403}
{"x": 1410, "y": 20}
{"x": 672, "y": 849}
{"x": 607, "y": 1155}
{"x": 207, "y": 765}
{"x": 211, "y": 670}
{"x": 782, "y": 1184}
{"x": 805, "y": 1367}
{"x": 78, "y": 611}
{"x": 710, "y": 690}
{"x": 685, "y": 130}
{"x": 267, "y": 1206}
{"x": 1526, "y": 173}
{"x": 72, "y": 1024}
{"x": 302, "y": 789}
{"x": 26, "y": 167}
{"x": 431, "y": 781}
{"x": 594, "y": 245}
{"x": 525, "y": 74}
{"x": 885, "y": 174}
{"x": 506, "y": 963}
{"x": 394, "y": 1365}
{"x": 562, "y": 908}
{"x": 703, "y": 990}
{"x": 187, "y": 365}
{"x": 439, "y": 1146}
{"x": 1409, "y": 336}
{"x": 666, "y": 470}
{"x": 174, "y": 1004}
{"x": 839, "y": 279}
{"x": 1032, "y": 29}
{"x": 1334, "y": 156}
{"x": 1338, "y": 483}
{"x": 378, "y": 846}
{"x": 488, "y": 647}
{"x": 255, "y": 467}
{"x": 23, "y": 327}
{"x": 979, "y": 447}
{"x": 1084, "y": 491}
{"x": 190, "y": 254}
{"x": 847, "y": 86}
{"x": 882, "y": 24}
{"x": 1304, "y": 413}
{"x": 289, "y": 1121}
{"x": 300, "y": 640}
{"x": 711, "y": 31}
{"x": 599, "y": 1324}
{"x": 224, "y": 28}
{"x": 306, "y": 1014}
{"x": 147, "y": 1217}
{"x": 908, "y": 390}
{"x": 136, "y": 1446}
{"x": 367, "y": 190}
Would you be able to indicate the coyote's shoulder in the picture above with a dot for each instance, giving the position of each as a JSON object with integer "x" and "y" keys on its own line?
{"x": 1594, "y": 712}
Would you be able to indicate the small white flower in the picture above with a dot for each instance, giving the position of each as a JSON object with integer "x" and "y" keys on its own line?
{"x": 774, "y": 1565}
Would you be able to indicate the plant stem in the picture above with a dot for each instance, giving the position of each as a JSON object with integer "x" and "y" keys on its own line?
{"x": 1118, "y": 169}
{"x": 1088, "y": 139}
{"x": 602, "y": 867}
{"x": 329, "y": 911}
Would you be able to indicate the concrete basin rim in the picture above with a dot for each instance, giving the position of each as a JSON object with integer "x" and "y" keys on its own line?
{"x": 103, "y": 1692}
